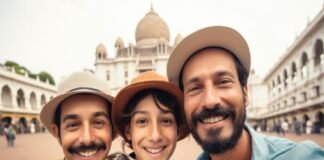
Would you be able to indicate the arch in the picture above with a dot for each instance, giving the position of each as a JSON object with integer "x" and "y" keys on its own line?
{"x": 6, "y": 97}
{"x": 304, "y": 62}
{"x": 278, "y": 80}
{"x": 319, "y": 122}
{"x": 319, "y": 55}
{"x": 22, "y": 125}
{"x": 99, "y": 55}
{"x": 21, "y": 99}
{"x": 32, "y": 100}
{"x": 43, "y": 100}
{"x": 6, "y": 120}
{"x": 293, "y": 71}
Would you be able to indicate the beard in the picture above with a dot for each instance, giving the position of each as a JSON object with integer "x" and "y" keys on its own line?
{"x": 213, "y": 143}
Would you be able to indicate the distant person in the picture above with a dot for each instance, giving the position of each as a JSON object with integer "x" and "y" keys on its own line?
{"x": 309, "y": 126}
{"x": 149, "y": 116}
{"x": 32, "y": 128}
{"x": 284, "y": 127}
{"x": 297, "y": 126}
{"x": 79, "y": 117}
{"x": 11, "y": 135}
{"x": 6, "y": 130}
{"x": 211, "y": 67}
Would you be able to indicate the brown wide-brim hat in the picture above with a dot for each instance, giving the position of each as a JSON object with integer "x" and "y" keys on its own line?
{"x": 77, "y": 83}
{"x": 146, "y": 80}
{"x": 215, "y": 36}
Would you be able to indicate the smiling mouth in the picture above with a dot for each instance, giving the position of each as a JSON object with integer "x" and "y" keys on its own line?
{"x": 154, "y": 150}
{"x": 213, "y": 119}
{"x": 88, "y": 153}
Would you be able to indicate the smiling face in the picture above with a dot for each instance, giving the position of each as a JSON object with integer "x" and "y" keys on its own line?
{"x": 85, "y": 129}
{"x": 152, "y": 132}
{"x": 214, "y": 99}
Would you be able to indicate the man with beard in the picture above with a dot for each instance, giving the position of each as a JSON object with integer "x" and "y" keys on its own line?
{"x": 211, "y": 67}
{"x": 79, "y": 117}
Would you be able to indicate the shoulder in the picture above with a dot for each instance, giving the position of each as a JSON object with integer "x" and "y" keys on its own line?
{"x": 282, "y": 149}
{"x": 302, "y": 150}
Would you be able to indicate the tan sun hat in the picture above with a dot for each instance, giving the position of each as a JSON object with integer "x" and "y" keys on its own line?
{"x": 215, "y": 36}
{"x": 146, "y": 80}
{"x": 76, "y": 83}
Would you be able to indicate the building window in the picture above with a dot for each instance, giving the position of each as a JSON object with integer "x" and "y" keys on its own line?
{"x": 126, "y": 74}
{"x": 108, "y": 76}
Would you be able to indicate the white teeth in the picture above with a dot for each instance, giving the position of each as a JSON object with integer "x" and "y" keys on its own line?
{"x": 88, "y": 153}
{"x": 154, "y": 151}
{"x": 213, "y": 119}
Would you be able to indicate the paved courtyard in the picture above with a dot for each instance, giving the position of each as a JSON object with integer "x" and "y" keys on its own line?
{"x": 43, "y": 146}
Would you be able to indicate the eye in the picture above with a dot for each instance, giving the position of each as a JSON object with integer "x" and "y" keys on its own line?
{"x": 141, "y": 122}
{"x": 99, "y": 123}
{"x": 72, "y": 126}
{"x": 224, "y": 82}
{"x": 193, "y": 90}
{"x": 167, "y": 121}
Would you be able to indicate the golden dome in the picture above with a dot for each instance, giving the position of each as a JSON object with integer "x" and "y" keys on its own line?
{"x": 152, "y": 27}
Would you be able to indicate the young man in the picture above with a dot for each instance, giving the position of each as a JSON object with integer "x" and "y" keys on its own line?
{"x": 211, "y": 67}
{"x": 79, "y": 117}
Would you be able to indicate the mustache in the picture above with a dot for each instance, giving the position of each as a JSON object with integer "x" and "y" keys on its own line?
{"x": 92, "y": 146}
{"x": 218, "y": 110}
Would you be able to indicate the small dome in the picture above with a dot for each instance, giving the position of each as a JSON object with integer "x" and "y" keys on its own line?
{"x": 119, "y": 43}
{"x": 178, "y": 39}
{"x": 101, "y": 49}
{"x": 152, "y": 27}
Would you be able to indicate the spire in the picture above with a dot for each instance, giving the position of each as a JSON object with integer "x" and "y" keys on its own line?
{"x": 152, "y": 5}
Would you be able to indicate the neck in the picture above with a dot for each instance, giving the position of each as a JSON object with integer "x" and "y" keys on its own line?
{"x": 242, "y": 150}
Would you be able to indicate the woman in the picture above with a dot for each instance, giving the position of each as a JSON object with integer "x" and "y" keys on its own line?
{"x": 149, "y": 116}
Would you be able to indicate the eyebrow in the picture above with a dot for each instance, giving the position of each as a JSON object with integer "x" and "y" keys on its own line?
{"x": 139, "y": 112}
{"x": 98, "y": 114}
{"x": 74, "y": 116}
{"x": 70, "y": 116}
{"x": 216, "y": 74}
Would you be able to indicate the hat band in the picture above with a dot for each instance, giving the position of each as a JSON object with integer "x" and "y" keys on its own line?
{"x": 84, "y": 88}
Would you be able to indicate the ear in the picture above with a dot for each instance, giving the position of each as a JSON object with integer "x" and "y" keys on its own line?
{"x": 56, "y": 133}
{"x": 127, "y": 133}
{"x": 246, "y": 95}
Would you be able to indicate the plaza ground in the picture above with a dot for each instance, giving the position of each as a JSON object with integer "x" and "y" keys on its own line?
{"x": 42, "y": 146}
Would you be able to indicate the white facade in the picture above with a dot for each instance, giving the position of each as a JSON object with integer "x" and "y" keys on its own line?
{"x": 295, "y": 85}
{"x": 22, "y": 98}
{"x": 150, "y": 53}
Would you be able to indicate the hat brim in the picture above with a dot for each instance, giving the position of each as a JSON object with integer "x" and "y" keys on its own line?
{"x": 48, "y": 112}
{"x": 124, "y": 96}
{"x": 216, "y": 36}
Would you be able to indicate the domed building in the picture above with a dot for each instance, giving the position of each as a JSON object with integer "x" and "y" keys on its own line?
{"x": 150, "y": 53}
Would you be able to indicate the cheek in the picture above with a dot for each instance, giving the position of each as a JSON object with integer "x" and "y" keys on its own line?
{"x": 190, "y": 105}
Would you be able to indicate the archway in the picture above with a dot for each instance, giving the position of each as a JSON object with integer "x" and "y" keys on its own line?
{"x": 319, "y": 55}
{"x": 319, "y": 122}
{"x": 22, "y": 125}
{"x": 21, "y": 98}
{"x": 32, "y": 100}
{"x": 6, "y": 97}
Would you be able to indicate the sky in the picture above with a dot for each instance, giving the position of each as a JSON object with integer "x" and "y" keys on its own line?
{"x": 60, "y": 36}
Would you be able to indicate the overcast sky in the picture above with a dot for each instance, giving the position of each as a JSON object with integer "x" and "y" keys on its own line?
{"x": 60, "y": 36}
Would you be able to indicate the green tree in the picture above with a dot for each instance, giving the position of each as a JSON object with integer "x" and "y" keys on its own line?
{"x": 44, "y": 76}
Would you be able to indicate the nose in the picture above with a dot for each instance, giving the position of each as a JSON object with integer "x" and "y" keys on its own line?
{"x": 211, "y": 97}
{"x": 156, "y": 133}
{"x": 86, "y": 136}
